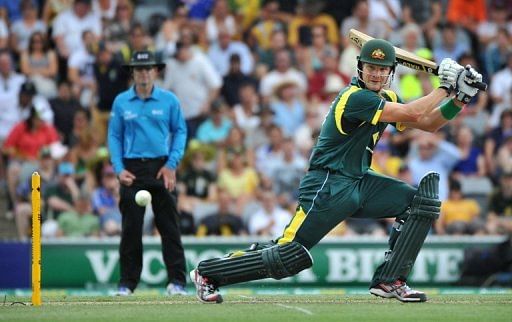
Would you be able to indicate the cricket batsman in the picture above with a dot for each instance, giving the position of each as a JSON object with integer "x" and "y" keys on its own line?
{"x": 340, "y": 184}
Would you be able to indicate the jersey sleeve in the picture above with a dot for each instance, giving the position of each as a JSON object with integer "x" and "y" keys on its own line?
{"x": 364, "y": 105}
{"x": 393, "y": 97}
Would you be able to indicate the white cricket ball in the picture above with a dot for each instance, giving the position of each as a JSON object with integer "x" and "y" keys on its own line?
{"x": 142, "y": 198}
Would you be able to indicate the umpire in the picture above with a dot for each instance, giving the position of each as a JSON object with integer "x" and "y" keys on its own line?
{"x": 146, "y": 138}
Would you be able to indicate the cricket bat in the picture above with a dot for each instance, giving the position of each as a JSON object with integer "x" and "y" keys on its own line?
{"x": 405, "y": 58}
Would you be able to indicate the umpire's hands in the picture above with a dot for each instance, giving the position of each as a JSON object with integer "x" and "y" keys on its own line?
{"x": 169, "y": 176}
{"x": 126, "y": 178}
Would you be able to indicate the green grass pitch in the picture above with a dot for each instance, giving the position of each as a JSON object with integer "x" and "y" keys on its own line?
{"x": 248, "y": 308}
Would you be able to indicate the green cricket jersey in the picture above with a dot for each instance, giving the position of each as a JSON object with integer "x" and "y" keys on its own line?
{"x": 351, "y": 130}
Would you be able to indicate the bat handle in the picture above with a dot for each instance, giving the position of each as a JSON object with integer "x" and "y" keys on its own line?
{"x": 480, "y": 85}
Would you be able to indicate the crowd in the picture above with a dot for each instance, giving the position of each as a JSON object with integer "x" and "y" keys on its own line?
{"x": 254, "y": 79}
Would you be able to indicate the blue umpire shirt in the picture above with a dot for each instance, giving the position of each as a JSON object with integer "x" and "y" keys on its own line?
{"x": 146, "y": 128}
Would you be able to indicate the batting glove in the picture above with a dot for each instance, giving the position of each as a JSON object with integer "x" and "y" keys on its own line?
{"x": 465, "y": 83}
{"x": 449, "y": 71}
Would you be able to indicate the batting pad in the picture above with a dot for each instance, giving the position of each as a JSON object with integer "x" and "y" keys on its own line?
{"x": 277, "y": 262}
{"x": 425, "y": 209}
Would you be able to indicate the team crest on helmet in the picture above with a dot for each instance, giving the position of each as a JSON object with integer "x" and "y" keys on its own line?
{"x": 378, "y": 54}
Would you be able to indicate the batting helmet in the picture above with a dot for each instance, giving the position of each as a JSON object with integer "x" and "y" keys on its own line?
{"x": 378, "y": 52}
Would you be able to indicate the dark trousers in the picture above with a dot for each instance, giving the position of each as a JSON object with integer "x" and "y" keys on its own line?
{"x": 166, "y": 221}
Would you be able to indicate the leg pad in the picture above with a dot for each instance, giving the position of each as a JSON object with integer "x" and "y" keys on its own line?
{"x": 277, "y": 261}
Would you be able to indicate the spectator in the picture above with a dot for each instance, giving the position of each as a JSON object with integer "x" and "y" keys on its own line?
{"x": 288, "y": 107}
{"x": 4, "y": 33}
{"x": 499, "y": 217}
{"x": 270, "y": 219}
{"x": 220, "y": 53}
{"x": 459, "y": 215}
{"x": 79, "y": 221}
{"x": 22, "y": 29}
{"x": 13, "y": 9}
{"x": 312, "y": 57}
{"x": 305, "y": 135}
{"x": 495, "y": 139}
{"x": 81, "y": 70}
{"x": 260, "y": 34}
{"x": 223, "y": 222}
{"x": 501, "y": 91}
{"x": 23, "y": 147}
{"x": 196, "y": 83}
{"x": 434, "y": 154}
{"x": 64, "y": 108}
{"x": 488, "y": 29}
{"x": 169, "y": 33}
{"x": 220, "y": 18}
{"x": 215, "y": 128}
{"x": 467, "y": 14}
{"x": 234, "y": 143}
{"x": 137, "y": 41}
{"x": 110, "y": 80}
{"x": 28, "y": 98}
{"x": 116, "y": 32}
{"x": 39, "y": 63}
{"x": 47, "y": 171}
{"x": 282, "y": 72}
{"x": 504, "y": 155}
{"x": 416, "y": 84}
{"x": 267, "y": 57}
{"x": 68, "y": 29}
{"x": 245, "y": 113}
{"x": 196, "y": 183}
{"x": 233, "y": 81}
{"x": 239, "y": 180}
{"x": 81, "y": 124}
{"x": 52, "y": 8}
{"x": 360, "y": 20}
{"x": 309, "y": 14}
{"x": 497, "y": 52}
{"x": 105, "y": 200}
{"x": 326, "y": 80}
{"x": 61, "y": 195}
{"x": 287, "y": 174}
{"x": 472, "y": 162}
{"x": 82, "y": 155}
{"x": 269, "y": 154}
{"x": 427, "y": 14}
{"x": 450, "y": 45}
{"x": 105, "y": 9}
{"x": 10, "y": 84}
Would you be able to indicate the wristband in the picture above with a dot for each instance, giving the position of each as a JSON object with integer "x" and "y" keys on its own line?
{"x": 449, "y": 110}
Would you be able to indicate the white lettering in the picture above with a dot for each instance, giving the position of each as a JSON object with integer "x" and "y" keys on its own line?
{"x": 153, "y": 277}
{"x": 447, "y": 265}
{"x": 103, "y": 271}
{"x": 420, "y": 271}
{"x": 342, "y": 265}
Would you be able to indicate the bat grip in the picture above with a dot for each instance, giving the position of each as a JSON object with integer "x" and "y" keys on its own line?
{"x": 480, "y": 85}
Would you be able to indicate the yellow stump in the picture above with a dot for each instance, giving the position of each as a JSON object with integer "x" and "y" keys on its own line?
{"x": 36, "y": 239}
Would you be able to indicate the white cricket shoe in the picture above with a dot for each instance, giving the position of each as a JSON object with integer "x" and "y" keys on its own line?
{"x": 123, "y": 291}
{"x": 205, "y": 291}
{"x": 176, "y": 289}
{"x": 398, "y": 290}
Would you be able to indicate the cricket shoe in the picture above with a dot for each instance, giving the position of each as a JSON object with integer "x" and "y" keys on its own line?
{"x": 175, "y": 289}
{"x": 205, "y": 291}
{"x": 123, "y": 291}
{"x": 398, "y": 290}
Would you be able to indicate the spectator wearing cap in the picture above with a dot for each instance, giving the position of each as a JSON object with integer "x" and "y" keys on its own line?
{"x": 28, "y": 97}
{"x": 22, "y": 29}
{"x": 196, "y": 83}
{"x": 39, "y": 63}
{"x": 283, "y": 72}
{"x": 215, "y": 129}
{"x": 289, "y": 108}
{"x": 220, "y": 53}
{"x": 146, "y": 138}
